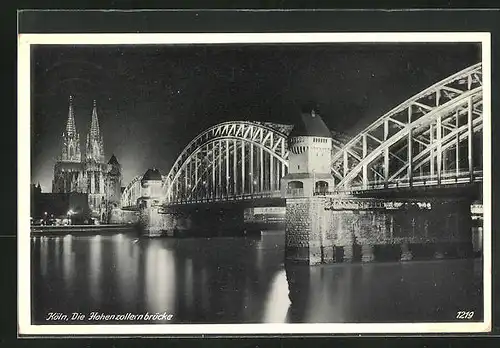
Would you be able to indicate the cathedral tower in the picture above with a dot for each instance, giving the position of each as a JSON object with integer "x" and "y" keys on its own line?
{"x": 95, "y": 168}
{"x": 71, "y": 138}
{"x": 67, "y": 170}
{"x": 95, "y": 145}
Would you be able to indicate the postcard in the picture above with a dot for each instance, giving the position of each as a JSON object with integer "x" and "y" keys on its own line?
{"x": 257, "y": 183}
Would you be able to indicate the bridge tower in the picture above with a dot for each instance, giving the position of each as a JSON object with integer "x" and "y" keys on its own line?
{"x": 310, "y": 145}
{"x": 113, "y": 186}
{"x": 309, "y": 173}
{"x": 148, "y": 202}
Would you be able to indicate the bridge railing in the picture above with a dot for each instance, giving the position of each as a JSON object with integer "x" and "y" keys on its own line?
{"x": 237, "y": 197}
{"x": 447, "y": 178}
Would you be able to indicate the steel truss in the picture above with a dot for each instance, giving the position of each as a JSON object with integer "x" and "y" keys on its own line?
{"x": 428, "y": 137}
{"x": 228, "y": 161}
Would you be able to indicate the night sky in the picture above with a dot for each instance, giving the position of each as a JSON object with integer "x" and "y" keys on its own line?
{"x": 152, "y": 100}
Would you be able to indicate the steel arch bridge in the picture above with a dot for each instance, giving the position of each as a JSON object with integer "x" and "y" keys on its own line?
{"x": 433, "y": 138}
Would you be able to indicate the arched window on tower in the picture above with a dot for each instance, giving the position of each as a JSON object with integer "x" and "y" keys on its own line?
{"x": 321, "y": 187}
{"x": 295, "y": 188}
{"x": 295, "y": 184}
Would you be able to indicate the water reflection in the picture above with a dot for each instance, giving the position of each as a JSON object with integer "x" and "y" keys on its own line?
{"x": 68, "y": 262}
{"x": 277, "y": 305}
{"x": 240, "y": 280}
{"x": 44, "y": 248}
{"x": 95, "y": 286}
{"x": 160, "y": 279}
{"x": 188, "y": 275}
{"x": 126, "y": 264}
{"x": 57, "y": 252}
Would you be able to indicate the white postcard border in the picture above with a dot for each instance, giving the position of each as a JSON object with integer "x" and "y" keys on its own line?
{"x": 24, "y": 181}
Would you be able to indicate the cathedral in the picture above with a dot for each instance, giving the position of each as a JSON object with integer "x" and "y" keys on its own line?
{"x": 88, "y": 173}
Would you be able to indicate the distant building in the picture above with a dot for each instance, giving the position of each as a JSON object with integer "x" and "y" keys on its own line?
{"x": 36, "y": 189}
{"x": 89, "y": 174}
{"x": 55, "y": 206}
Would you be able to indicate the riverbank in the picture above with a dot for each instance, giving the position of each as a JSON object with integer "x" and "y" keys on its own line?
{"x": 80, "y": 229}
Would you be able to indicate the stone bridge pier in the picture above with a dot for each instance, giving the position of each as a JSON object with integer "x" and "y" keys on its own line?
{"x": 346, "y": 229}
{"x": 207, "y": 219}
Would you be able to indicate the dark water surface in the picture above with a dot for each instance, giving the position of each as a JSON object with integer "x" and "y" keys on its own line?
{"x": 238, "y": 280}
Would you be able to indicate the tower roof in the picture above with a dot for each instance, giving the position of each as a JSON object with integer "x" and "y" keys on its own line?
{"x": 152, "y": 174}
{"x": 310, "y": 124}
{"x": 70, "y": 123}
{"x": 113, "y": 160}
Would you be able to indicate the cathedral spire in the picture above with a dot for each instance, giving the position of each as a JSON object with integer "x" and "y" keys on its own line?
{"x": 94, "y": 126}
{"x": 70, "y": 124}
{"x": 95, "y": 147}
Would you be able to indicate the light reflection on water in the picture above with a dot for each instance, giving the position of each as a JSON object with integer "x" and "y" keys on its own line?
{"x": 68, "y": 262}
{"x": 160, "y": 280}
{"x": 240, "y": 280}
{"x": 276, "y": 303}
{"x": 94, "y": 284}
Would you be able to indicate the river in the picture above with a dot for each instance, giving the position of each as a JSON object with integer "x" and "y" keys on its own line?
{"x": 238, "y": 280}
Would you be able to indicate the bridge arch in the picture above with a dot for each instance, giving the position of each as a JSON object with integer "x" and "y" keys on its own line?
{"x": 414, "y": 140}
{"x": 228, "y": 160}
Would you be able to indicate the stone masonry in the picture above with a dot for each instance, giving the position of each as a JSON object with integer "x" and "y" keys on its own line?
{"x": 341, "y": 229}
